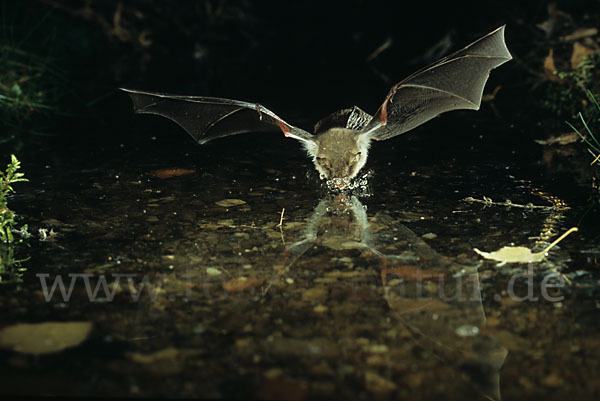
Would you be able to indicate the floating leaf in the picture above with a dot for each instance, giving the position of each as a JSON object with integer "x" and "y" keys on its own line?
{"x": 521, "y": 254}
{"x": 44, "y": 338}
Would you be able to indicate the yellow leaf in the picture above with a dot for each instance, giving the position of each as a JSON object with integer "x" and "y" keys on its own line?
{"x": 512, "y": 254}
{"x": 521, "y": 254}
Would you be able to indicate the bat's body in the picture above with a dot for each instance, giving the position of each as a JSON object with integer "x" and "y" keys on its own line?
{"x": 340, "y": 143}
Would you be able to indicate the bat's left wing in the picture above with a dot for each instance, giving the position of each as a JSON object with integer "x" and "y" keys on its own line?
{"x": 454, "y": 82}
{"x": 208, "y": 118}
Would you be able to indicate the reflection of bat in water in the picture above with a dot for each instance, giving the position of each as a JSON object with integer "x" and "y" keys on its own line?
{"x": 435, "y": 298}
{"x": 341, "y": 141}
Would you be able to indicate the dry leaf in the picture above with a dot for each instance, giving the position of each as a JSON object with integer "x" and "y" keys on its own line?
{"x": 579, "y": 53}
{"x": 44, "y": 338}
{"x": 550, "y": 68}
{"x": 580, "y": 33}
{"x": 513, "y": 254}
{"x": 562, "y": 139}
{"x": 521, "y": 254}
{"x": 171, "y": 172}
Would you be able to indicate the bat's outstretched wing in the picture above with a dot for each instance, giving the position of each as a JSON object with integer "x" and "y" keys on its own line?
{"x": 454, "y": 82}
{"x": 208, "y": 118}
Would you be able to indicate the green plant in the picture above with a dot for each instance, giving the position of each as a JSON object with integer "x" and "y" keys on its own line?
{"x": 588, "y": 136}
{"x": 11, "y": 270}
{"x": 8, "y": 218}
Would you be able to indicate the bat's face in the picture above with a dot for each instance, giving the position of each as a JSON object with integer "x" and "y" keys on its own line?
{"x": 340, "y": 154}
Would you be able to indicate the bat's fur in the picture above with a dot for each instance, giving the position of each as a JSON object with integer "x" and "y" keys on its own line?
{"x": 339, "y": 153}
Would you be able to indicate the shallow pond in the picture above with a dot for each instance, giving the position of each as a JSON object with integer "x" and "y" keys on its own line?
{"x": 228, "y": 270}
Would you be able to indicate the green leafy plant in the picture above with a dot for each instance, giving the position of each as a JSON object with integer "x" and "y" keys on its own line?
{"x": 588, "y": 136}
{"x": 11, "y": 269}
{"x": 8, "y": 218}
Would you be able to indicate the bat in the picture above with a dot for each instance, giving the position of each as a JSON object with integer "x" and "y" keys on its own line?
{"x": 340, "y": 142}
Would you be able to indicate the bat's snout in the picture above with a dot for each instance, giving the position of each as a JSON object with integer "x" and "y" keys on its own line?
{"x": 340, "y": 184}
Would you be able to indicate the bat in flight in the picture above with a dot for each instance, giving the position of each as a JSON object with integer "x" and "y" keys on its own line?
{"x": 340, "y": 142}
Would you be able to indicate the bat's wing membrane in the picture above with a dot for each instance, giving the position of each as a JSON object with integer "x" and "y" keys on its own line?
{"x": 454, "y": 82}
{"x": 208, "y": 118}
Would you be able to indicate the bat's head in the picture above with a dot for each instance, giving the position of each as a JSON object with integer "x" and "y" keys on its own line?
{"x": 339, "y": 155}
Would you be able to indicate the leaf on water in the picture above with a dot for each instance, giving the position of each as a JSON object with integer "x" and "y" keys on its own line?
{"x": 230, "y": 202}
{"x": 44, "y": 338}
{"x": 521, "y": 254}
{"x": 512, "y": 254}
{"x": 171, "y": 172}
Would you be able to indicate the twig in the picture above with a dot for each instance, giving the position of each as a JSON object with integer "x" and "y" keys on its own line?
{"x": 572, "y": 229}
{"x": 383, "y": 47}
{"x": 489, "y": 202}
{"x": 280, "y": 225}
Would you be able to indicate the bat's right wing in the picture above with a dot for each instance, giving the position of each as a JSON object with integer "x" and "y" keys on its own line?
{"x": 208, "y": 118}
{"x": 454, "y": 82}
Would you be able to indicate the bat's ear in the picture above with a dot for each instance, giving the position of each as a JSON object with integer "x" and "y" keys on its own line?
{"x": 370, "y": 130}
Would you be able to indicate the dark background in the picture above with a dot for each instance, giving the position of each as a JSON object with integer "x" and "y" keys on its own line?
{"x": 302, "y": 59}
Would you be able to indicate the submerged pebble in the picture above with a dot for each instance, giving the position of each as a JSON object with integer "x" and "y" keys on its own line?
{"x": 240, "y": 284}
{"x": 467, "y": 330}
{"x": 211, "y": 271}
{"x": 230, "y": 202}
